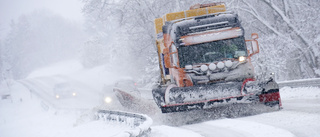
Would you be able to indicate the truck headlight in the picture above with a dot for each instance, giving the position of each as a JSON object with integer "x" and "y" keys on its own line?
{"x": 242, "y": 58}
{"x": 108, "y": 100}
{"x": 57, "y": 96}
{"x": 74, "y": 94}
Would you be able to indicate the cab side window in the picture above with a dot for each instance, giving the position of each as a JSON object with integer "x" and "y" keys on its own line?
{"x": 174, "y": 56}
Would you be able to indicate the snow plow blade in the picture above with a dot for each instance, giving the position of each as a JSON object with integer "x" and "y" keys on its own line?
{"x": 175, "y": 99}
{"x": 133, "y": 101}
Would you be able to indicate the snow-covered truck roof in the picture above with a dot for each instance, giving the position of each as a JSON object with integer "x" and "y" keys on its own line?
{"x": 159, "y": 22}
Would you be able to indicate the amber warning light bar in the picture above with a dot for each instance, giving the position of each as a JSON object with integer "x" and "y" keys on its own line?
{"x": 211, "y": 36}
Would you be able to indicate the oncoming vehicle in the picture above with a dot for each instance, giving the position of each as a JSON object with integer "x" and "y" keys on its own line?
{"x": 64, "y": 90}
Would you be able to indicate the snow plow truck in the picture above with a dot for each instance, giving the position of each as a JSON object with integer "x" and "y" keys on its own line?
{"x": 205, "y": 61}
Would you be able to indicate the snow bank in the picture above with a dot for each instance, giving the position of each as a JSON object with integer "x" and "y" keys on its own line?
{"x": 97, "y": 129}
{"x": 288, "y": 93}
{"x": 317, "y": 39}
{"x": 61, "y": 68}
{"x": 167, "y": 131}
{"x": 4, "y": 89}
{"x": 23, "y": 116}
{"x": 96, "y": 77}
{"x": 235, "y": 127}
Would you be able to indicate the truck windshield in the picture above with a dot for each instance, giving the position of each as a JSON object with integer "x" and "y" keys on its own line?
{"x": 212, "y": 51}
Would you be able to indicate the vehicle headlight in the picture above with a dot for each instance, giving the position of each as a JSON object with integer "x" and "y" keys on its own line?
{"x": 57, "y": 96}
{"x": 108, "y": 100}
{"x": 74, "y": 94}
{"x": 242, "y": 58}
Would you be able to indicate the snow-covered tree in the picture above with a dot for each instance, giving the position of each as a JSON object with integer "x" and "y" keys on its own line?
{"x": 38, "y": 39}
{"x": 286, "y": 35}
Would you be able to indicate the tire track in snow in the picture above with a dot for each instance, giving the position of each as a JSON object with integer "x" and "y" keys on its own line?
{"x": 237, "y": 128}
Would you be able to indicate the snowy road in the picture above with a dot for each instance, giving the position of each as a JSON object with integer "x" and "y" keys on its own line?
{"x": 291, "y": 121}
{"x": 25, "y": 110}
{"x": 299, "y": 117}
{"x": 43, "y": 87}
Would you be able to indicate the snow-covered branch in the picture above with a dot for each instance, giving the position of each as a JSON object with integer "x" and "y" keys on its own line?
{"x": 295, "y": 30}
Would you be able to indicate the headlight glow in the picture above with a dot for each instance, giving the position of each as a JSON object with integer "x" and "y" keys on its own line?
{"x": 107, "y": 100}
{"x": 74, "y": 94}
{"x": 242, "y": 58}
{"x": 57, "y": 96}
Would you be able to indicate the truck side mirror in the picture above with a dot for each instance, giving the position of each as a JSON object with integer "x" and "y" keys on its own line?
{"x": 254, "y": 36}
{"x": 254, "y": 46}
{"x": 254, "y": 43}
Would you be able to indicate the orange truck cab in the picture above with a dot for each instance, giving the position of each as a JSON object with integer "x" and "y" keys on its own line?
{"x": 204, "y": 59}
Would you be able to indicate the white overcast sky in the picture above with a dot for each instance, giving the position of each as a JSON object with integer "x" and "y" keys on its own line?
{"x": 12, "y": 9}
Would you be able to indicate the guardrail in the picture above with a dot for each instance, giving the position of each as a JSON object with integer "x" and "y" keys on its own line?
{"x": 314, "y": 82}
{"x": 139, "y": 124}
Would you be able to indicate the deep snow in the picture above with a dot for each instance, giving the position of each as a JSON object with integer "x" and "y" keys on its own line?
{"x": 27, "y": 114}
